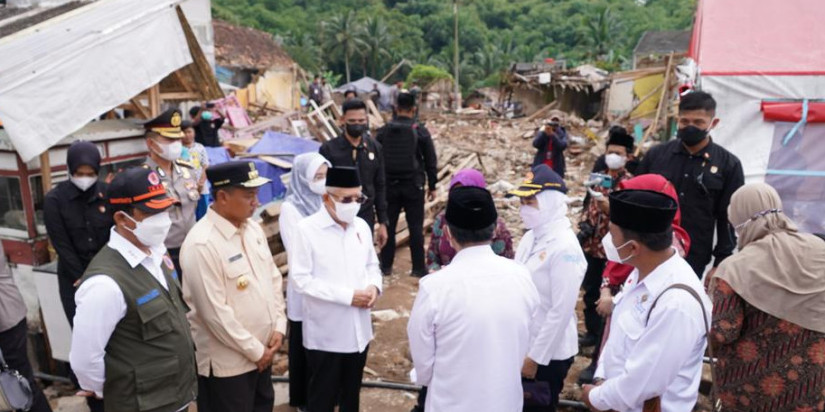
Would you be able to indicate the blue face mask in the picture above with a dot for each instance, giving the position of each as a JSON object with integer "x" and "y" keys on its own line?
{"x": 206, "y": 115}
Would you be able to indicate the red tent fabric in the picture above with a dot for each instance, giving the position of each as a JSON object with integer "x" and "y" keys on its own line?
{"x": 792, "y": 112}
{"x": 759, "y": 37}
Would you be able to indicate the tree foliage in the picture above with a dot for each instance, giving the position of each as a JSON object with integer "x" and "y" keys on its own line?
{"x": 368, "y": 37}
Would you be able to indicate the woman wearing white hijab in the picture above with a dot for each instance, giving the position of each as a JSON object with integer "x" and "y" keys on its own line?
{"x": 303, "y": 198}
{"x": 557, "y": 265}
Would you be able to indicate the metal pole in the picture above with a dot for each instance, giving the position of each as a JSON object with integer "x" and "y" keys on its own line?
{"x": 416, "y": 388}
{"x": 455, "y": 56}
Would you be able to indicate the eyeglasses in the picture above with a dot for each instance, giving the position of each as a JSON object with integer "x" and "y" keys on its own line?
{"x": 360, "y": 199}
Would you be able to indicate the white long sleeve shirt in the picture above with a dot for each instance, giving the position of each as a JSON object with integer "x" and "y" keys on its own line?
{"x": 661, "y": 358}
{"x": 557, "y": 266}
{"x": 469, "y": 330}
{"x": 100, "y": 307}
{"x": 327, "y": 265}
{"x": 288, "y": 224}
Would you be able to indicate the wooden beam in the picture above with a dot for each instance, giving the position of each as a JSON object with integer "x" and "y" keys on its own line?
{"x": 46, "y": 171}
{"x": 180, "y": 96}
{"x": 183, "y": 81}
{"x": 142, "y": 110}
{"x": 154, "y": 100}
{"x": 655, "y": 126}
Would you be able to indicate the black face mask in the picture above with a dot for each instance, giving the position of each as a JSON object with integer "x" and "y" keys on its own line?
{"x": 691, "y": 135}
{"x": 356, "y": 130}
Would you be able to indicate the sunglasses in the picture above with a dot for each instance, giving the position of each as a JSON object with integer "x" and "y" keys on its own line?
{"x": 360, "y": 199}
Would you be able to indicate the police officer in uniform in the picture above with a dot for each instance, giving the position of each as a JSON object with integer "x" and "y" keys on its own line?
{"x": 163, "y": 139}
{"x": 131, "y": 342}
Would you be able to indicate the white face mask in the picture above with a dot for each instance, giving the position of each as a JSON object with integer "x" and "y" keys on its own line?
{"x": 530, "y": 216}
{"x": 319, "y": 187}
{"x": 346, "y": 212}
{"x": 152, "y": 231}
{"x": 84, "y": 182}
{"x": 615, "y": 161}
{"x": 611, "y": 252}
{"x": 171, "y": 151}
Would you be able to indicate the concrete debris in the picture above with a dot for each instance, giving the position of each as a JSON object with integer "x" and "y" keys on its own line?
{"x": 385, "y": 315}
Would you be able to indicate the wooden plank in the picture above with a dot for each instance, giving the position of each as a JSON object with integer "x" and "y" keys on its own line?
{"x": 180, "y": 96}
{"x": 141, "y": 109}
{"x": 183, "y": 81}
{"x": 46, "y": 171}
{"x": 322, "y": 118}
{"x": 154, "y": 100}
{"x": 655, "y": 126}
{"x": 542, "y": 111}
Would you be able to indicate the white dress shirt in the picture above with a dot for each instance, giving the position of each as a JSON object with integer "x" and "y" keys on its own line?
{"x": 287, "y": 224}
{"x": 557, "y": 265}
{"x": 100, "y": 307}
{"x": 327, "y": 264}
{"x": 469, "y": 330}
{"x": 662, "y": 358}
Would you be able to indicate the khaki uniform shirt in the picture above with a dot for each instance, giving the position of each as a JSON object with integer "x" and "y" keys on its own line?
{"x": 181, "y": 184}
{"x": 234, "y": 291}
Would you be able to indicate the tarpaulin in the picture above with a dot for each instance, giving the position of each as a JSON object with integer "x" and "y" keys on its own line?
{"x": 759, "y": 37}
{"x": 71, "y": 69}
{"x": 266, "y": 193}
{"x": 793, "y": 111}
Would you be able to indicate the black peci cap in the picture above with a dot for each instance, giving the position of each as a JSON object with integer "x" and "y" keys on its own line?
{"x": 540, "y": 179}
{"x": 140, "y": 187}
{"x": 619, "y": 136}
{"x": 470, "y": 208}
{"x": 167, "y": 124}
{"x": 642, "y": 211}
{"x": 235, "y": 173}
{"x": 343, "y": 177}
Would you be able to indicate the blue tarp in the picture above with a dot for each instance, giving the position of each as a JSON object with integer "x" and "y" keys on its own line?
{"x": 270, "y": 143}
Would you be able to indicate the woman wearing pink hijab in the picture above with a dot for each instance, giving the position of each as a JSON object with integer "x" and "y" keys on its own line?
{"x": 440, "y": 253}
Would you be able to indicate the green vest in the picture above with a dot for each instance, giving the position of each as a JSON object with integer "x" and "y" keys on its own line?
{"x": 150, "y": 357}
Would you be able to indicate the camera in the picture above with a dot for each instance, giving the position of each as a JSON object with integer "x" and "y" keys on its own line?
{"x": 599, "y": 179}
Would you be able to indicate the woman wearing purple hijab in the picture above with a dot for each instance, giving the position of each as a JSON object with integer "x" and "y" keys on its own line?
{"x": 440, "y": 253}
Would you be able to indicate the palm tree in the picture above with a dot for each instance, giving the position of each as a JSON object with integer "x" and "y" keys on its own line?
{"x": 341, "y": 36}
{"x": 603, "y": 30}
{"x": 375, "y": 38}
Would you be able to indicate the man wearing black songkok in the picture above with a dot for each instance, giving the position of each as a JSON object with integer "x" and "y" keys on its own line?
{"x": 78, "y": 220}
{"x": 653, "y": 355}
{"x": 475, "y": 312}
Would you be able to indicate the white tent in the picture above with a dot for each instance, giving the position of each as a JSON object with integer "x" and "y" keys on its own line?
{"x": 364, "y": 85}
{"x": 764, "y": 62}
{"x": 58, "y": 75}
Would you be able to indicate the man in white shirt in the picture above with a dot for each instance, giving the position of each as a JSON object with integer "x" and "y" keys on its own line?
{"x": 653, "y": 355}
{"x": 334, "y": 265}
{"x": 552, "y": 253}
{"x": 130, "y": 343}
{"x": 469, "y": 328}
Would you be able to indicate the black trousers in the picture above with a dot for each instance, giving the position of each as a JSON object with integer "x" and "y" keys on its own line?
{"x": 298, "y": 369}
{"x": 174, "y": 253}
{"x": 13, "y": 345}
{"x": 592, "y": 283}
{"x": 250, "y": 392}
{"x": 410, "y": 198}
{"x": 367, "y": 213}
{"x": 554, "y": 374}
{"x": 335, "y": 378}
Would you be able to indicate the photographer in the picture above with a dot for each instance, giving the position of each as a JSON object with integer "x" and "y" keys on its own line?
{"x": 551, "y": 143}
{"x": 593, "y": 227}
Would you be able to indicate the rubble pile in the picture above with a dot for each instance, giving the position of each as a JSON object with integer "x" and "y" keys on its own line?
{"x": 502, "y": 149}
